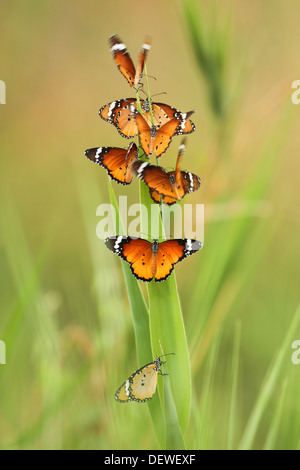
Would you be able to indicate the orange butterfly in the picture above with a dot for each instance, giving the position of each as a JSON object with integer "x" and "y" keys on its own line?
{"x": 155, "y": 139}
{"x": 172, "y": 185}
{"x": 152, "y": 260}
{"x": 116, "y": 161}
{"x": 124, "y": 62}
{"x": 119, "y": 114}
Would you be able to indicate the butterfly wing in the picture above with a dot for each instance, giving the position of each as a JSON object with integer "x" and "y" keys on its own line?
{"x": 122, "y": 59}
{"x": 131, "y": 157}
{"x": 123, "y": 394}
{"x": 143, "y": 384}
{"x": 125, "y": 121}
{"x": 187, "y": 181}
{"x": 119, "y": 114}
{"x": 165, "y": 133}
{"x": 158, "y": 180}
{"x": 159, "y": 116}
{"x": 116, "y": 161}
{"x": 137, "y": 252}
{"x": 146, "y": 134}
{"x": 165, "y": 199}
{"x": 124, "y": 62}
{"x": 172, "y": 252}
{"x": 141, "y": 60}
{"x": 180, "y": 182}
{"x": 140, "y": 386}
{"x": 190, "y": 182}
{"x": 109, "y": 112}
{"x": 172, "y": 113}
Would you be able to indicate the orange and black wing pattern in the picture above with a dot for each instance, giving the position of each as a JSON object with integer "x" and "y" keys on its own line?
{"x": 141, "y": 385}
{"x": 172, "y": 252}
{"x": 124, "y": 62}
{"x": 190, "y": 183}
{"x": 152, "y": 260}
{"x": 112, "y": 111}
{"x": 117, "y": 161}
{"x": 157, "y": 140}
{"x": 167, "y": 186}
{"x": 187, "y": 128}
{"x": 160, "y": 183}
{"x": 137, "y": 252}
{"x": 119, "y": 114}
{"x": 125, "y": 121}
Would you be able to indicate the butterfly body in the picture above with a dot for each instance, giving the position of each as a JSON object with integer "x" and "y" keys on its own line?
{"x": 149, "y": 260}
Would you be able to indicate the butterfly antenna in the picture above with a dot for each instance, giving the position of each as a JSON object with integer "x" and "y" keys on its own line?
{"x": 168, "y": 354}
{"x": 155, "y": 94}
{"x": 142, "y": 89}
{"x": 161, "y": 93}
{"x": 141, "y": 86}
{"x": 149, "y": 76}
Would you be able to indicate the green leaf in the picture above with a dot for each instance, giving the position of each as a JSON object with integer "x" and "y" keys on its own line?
{"x": 167, "y": 332}
{"x": 140, "y": 317}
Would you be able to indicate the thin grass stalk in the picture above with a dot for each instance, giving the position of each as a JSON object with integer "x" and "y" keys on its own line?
{"x": 234, "y": 381}
{"x": 275, "y": 425}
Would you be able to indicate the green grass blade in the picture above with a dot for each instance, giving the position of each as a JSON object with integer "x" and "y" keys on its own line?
{"x": 268, "y": 387}
{"x": 211, "y": 50}
{"x": 234, "y": 380}
{"x": 167, "y": 330}
{"x": 174, "y": 437}
{"x": 140, "y": 317}
{"x": 274, "y": 428}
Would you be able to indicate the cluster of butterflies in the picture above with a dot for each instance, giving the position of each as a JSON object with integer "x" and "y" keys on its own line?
{"x": 147, "y": 260}
{"x": 155, "y": 124}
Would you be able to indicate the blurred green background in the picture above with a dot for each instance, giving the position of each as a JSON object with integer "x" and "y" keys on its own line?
{"x": 65, "y": 316}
